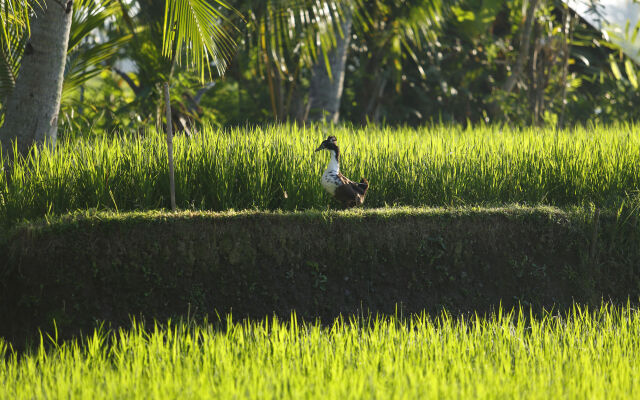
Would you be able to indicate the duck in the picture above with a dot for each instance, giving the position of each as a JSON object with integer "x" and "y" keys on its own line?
{"x": 343, "y": 189}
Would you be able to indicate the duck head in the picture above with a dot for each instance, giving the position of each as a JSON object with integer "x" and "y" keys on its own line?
{"x": 331, "y": 143}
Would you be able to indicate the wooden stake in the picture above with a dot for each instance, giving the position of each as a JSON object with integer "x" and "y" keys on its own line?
{"x": 594, "y": 236}
{"x": 172, "y": 183}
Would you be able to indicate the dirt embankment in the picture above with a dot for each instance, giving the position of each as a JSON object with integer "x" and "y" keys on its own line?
{"x": 108, "y": 267}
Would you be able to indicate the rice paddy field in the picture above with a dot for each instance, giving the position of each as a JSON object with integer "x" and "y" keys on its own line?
{"x": 582, "y": 354}
{"x": 275, "y": 167}
{"x": 574, "y": 354}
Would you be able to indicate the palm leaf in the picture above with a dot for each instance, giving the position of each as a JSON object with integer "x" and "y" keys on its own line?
{"x": 87, "y": 16}
{"x": 198, "y": 29}
{"x": 84, "y": 64}
{"x": 84, "y": 61}
{"x": 11, "y": 49}
{"x": 407, "y": 28}
{"x": 295, "y": 29}
{"x": 14, "y": 31}
{"x": 15, "y": 13}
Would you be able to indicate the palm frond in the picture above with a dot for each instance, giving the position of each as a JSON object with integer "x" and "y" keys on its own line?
{"x": 86, "y": 53}
{"x": 87, "y": 16}
{"x": 11, "y": 49}
{"x": 200, "y": 30}
{"x": 296, "y": 29}
{"x": 399, "y": 29}
{"x": 14, "y": 30}
{"x": 14, "y": 17}
{"x": 87, "y": 63}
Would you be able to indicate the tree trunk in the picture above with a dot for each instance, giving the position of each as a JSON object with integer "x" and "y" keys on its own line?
{"x": 375, "y": 96}
{"x": 325, "y": 92}
{"x": 567, "y": 36}
{"x": 524, "y": 47}
{"x": 373, "y": 84}
{"x": 31, "y": 113}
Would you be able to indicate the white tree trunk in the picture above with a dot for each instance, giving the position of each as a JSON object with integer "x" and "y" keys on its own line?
{"x": 325, "y": 93}
{"x": 524, "y": 47}
{"x": 31, "y": 112}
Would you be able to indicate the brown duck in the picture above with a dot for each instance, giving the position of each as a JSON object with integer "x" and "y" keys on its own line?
{"x": 343, "y": 189}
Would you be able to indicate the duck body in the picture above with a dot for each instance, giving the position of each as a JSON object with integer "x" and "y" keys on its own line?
{"x": 330, "y": 179}
{"x": 346, "y": 191}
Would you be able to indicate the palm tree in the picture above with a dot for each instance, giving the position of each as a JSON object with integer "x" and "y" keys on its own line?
{"x": 152, "y": 69}
{"x": 394, "y": 30}
{"x": 283, "y": 38}
{"x": 291, "y": 36}
{"x": 88, "y": 53}
{"x": 194, "y": 32}
{"x": 327, "y": 76}
{"x": 31, "y": 111}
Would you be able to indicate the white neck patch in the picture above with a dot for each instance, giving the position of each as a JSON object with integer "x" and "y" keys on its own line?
{"x": 330, "y": 180}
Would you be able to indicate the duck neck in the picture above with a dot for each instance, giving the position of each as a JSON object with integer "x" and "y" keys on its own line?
{"x": 334, "y": 163}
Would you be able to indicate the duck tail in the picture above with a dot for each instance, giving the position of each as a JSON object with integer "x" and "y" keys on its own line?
{"x": 364, "y": 185}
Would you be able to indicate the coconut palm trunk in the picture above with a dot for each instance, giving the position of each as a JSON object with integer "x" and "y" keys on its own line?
{"x": 31, "y": 113}
{"x": 325, "y": 92}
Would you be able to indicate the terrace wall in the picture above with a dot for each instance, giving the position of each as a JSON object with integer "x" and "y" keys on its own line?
{"x": 108, "y": 267}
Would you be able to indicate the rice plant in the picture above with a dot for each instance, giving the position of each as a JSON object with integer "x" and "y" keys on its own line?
{"x": 582, "y": 354}
{"x": 275, "y": 167}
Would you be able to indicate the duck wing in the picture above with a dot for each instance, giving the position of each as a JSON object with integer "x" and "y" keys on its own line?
{"x": 358, "y": 187}
{"x": 351, "y": 193}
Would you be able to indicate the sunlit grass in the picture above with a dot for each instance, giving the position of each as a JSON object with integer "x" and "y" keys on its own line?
{"x": 584, "y": 354}
{"x": 275, "y": 168}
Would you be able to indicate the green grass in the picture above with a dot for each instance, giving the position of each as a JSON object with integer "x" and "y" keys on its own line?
{"x": 276, "y": 168}
{"x": 584, "y": 354}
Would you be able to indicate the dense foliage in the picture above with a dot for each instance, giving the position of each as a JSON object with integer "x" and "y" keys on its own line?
{"x": 275, "y": 168}
{"x": 583, "y": 354}
{"x": 408, "y": 62}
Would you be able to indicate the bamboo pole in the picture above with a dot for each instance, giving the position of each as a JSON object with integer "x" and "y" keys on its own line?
{"x": 172, "y": 183}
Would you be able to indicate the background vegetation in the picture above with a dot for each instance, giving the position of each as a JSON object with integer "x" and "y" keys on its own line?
{"x": 408, "y": 62}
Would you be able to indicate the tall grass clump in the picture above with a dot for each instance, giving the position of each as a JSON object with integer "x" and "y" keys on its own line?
{"x": 582, "y": 355}
{"x": 275, "y": 168}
